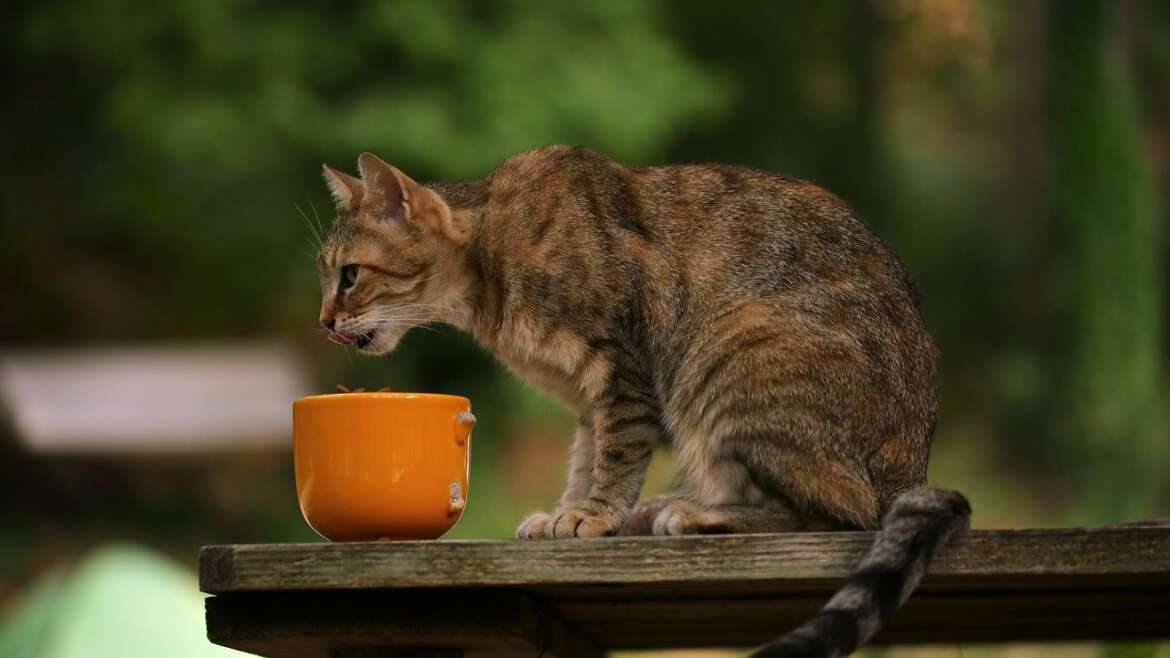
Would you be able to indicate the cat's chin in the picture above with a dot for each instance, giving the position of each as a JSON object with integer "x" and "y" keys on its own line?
{"x": 381, "y": 342}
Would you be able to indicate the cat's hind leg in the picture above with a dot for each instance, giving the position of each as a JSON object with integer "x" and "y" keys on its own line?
{"x": 678, "y": 515}
{"x": 641, "y": 519}
{"x": 685, "y": 517}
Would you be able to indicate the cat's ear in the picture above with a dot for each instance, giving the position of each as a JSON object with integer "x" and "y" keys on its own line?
{"x": 392, "y": 192}
{"x": 345, "y": 189}
{"x": 387, "y": 190}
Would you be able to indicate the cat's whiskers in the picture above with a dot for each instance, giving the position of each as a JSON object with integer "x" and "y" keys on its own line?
{"x": 401, "y": 316}
{"x": 320, "y": 226}
{"x": 393, "y": 317}
{"x": 408, "y": 313}
{"x": 317, "y": 235}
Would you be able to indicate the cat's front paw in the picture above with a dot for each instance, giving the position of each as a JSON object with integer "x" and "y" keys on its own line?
{"x": 535, "y": 526}
{"x": 583, "y": 523}
{"x": 569, "y": 523}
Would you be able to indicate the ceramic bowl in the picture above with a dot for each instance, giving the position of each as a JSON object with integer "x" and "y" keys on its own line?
{"x": 372, "y": 466}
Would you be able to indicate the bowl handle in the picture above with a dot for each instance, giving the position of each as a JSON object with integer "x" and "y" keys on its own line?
{"x": 456, "y": 502}
{"x": 463, "y": 424}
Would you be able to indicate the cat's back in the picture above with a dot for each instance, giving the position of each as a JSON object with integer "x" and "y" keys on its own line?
{"x": 535, "y": 190}
{"x": 673, "y": 203}
{"x": 761, "y": 217}
{"x": 773, "y": 231}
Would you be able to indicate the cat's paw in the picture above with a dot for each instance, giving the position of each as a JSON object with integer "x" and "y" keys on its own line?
{"x": 641, "y": 519}
{"x": 583, "y": 523}
{"x": 681, "y": 517}
{"x": 566, "y": 523}
{"x": 534, "y": 526}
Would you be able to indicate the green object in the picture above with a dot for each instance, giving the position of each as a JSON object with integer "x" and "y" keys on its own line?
{"x": 117, "y": 601}
{"x": 1109, "y": 408}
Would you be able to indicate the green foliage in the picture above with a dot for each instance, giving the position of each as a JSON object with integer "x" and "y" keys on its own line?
{"x": 233, "y": 89}
{"x": 1110, "y": 416}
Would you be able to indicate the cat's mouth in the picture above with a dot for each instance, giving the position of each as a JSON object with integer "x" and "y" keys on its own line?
{"x": 363, "y": 340}
{"x": 359, "y": 341}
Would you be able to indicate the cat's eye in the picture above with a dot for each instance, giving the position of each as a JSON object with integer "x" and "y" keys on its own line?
{"x": 349, "y": 275}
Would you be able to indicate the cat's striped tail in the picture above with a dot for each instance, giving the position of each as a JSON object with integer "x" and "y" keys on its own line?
{"x": 915, "y": 526}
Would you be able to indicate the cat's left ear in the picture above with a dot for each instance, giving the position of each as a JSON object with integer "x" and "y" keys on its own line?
{"x": 388, "y": 190}
{"x": 346, "y": 190}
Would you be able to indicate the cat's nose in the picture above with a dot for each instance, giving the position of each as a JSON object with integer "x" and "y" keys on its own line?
{"x": 328, "y": 321}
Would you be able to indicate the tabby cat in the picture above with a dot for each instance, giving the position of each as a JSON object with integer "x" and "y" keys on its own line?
{"x": 749, "y": 320}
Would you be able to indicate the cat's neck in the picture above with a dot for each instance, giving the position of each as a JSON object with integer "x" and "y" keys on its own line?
{"x": 462, "y": 196}
{"x": 466, "y": 200}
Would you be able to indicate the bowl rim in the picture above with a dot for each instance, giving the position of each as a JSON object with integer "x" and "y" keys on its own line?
{"x": 378, "y": 395}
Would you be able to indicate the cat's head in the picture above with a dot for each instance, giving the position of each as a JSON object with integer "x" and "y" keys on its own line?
{"x": 391, "y": 260}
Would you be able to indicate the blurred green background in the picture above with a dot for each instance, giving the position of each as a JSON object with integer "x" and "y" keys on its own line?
{"x": 161, "y": 160}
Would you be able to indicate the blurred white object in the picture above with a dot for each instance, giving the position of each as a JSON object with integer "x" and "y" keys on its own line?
{"x": 180, "y": 399}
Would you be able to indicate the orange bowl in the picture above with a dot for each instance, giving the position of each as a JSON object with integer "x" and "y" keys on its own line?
{"x": 382, "y": 465}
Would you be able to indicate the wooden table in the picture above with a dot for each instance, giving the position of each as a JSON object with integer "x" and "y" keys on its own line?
{"x": 583, "y": 597}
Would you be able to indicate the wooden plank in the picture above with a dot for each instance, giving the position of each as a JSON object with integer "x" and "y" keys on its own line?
{"x": 327, "y": 624}
{"x": 927, "y": 618}
{"x": 1073, "y": 557}
{"x": 579, "y": 597}
{"x": 307, "y": 624}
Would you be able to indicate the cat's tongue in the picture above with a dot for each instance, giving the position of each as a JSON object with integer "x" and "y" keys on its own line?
{"x": 343, "y": 339}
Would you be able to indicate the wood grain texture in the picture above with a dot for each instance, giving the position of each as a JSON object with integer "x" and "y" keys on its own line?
{"x": 1113, "y": 554}
{"x": 576, "y": 597}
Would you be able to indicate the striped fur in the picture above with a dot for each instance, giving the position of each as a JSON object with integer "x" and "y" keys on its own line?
{"x": 917, "y": 525}
{"x": 748, "y": 320}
